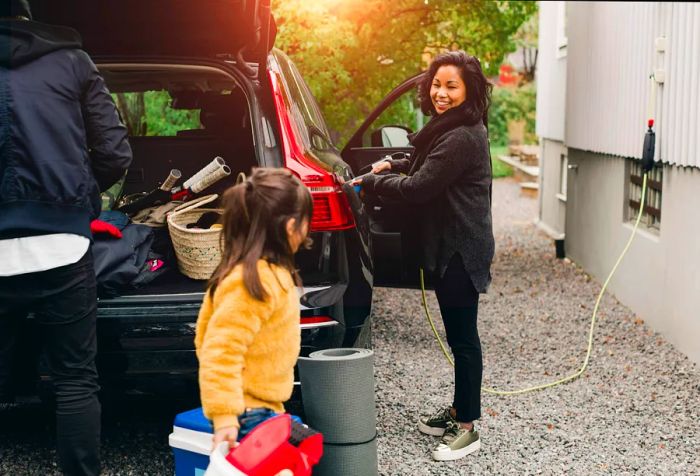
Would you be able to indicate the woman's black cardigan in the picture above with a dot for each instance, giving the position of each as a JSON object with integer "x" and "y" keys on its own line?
{"x": 448, "y": 190}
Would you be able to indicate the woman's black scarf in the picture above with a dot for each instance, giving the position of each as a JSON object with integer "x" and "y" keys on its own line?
{"x": 439, "y": 124}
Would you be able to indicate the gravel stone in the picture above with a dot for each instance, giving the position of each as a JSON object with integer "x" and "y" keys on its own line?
{"x": 636, "y": 409}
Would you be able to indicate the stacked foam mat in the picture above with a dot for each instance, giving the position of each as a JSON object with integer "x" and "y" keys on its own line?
{"x": 337, "y": 387}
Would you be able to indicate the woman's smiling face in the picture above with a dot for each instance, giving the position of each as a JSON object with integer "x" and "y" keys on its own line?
{"x": 448, "y": 89}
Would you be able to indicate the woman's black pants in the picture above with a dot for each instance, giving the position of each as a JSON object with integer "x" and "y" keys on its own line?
{"x": 459, "y": 305}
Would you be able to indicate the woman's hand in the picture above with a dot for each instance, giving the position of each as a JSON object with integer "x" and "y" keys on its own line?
{"x": 381, "y": 167}
{"x": 227, "y": 433}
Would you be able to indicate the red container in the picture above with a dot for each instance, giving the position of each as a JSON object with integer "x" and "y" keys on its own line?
{"x": 276, "y": 444}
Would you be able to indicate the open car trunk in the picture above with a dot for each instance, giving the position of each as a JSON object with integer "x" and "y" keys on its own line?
{"x": 179, "y": 117}
{"x": 158, "y": 28}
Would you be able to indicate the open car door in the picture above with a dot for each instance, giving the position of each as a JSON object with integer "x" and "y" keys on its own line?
{"x": 385, "y": 132}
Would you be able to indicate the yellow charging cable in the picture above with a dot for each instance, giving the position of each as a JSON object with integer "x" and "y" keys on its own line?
{"x": 590, "y": 332}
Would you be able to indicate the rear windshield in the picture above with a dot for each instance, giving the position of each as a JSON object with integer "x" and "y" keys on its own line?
{"x": 170, "y": 101}
{"x": 151, "y": 113}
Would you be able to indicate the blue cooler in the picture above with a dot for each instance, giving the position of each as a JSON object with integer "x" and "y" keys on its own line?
{"x": 191, "y": 441}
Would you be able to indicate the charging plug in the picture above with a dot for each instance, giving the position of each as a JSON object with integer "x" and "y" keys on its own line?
{"x": 648, "y": 151}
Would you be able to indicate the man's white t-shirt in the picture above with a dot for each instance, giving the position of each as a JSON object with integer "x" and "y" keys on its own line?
{"x": 32, "y": 254}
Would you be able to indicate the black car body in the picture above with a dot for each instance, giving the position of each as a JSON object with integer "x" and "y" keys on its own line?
{"x": 195, "y": 50}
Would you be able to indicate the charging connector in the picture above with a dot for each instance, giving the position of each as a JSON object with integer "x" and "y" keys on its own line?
{"x": 648, "y": 151}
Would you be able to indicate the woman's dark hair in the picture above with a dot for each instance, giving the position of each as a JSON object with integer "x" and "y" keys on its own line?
{"x": 478, "y": 87}
{"x": 255, "y": 218}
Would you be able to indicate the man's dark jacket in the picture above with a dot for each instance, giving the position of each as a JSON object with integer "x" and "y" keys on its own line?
{"x": 61, "y": 138}
{"x": 448, "y": 193}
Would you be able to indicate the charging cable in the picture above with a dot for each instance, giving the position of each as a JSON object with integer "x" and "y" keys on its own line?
{"x": 590, "y": 332}
{"x": 647, "y": 164}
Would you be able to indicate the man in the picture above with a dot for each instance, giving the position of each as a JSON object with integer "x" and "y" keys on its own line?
{"x": 61, "y": 143}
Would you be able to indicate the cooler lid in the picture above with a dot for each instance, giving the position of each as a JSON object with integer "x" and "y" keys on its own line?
{"x": 193, "y": 420}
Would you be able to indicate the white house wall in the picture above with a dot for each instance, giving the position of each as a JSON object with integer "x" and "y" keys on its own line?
{"x": 659, "y": 278}
{"x": 679, "y": 133}
{"x": 610, "y": 56}
{"x": 611, "y": 53}
{"x": 550, "y": 76}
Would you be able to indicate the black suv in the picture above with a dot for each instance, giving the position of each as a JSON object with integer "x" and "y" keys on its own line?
{"x": 216, "y": 58}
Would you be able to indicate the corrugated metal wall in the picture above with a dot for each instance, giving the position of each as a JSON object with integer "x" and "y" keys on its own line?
{"x": 679, "y": 132}
{"x": 551, "y": 76}
{"x": 611, "y": 54}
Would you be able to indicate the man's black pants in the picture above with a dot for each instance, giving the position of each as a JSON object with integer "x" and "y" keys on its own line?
{"x": 64, "y": 303}
{"x": 459, "y": 306}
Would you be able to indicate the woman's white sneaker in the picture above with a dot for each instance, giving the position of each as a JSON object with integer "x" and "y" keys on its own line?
{"x": 456, "y": 443}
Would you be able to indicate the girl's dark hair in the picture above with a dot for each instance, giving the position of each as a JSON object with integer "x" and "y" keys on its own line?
{"x": 255, "y": 217}
{"x": 478, "y": 87}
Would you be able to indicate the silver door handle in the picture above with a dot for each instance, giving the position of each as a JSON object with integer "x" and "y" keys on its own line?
{"x": 572, "y": 166}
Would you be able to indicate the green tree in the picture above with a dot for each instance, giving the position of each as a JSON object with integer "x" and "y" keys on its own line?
{"x": 526, "y": 39}
{"x": 353, "y": 52}
{"x": 150, "y": 114}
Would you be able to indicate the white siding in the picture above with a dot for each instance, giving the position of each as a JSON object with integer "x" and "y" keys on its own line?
{"x": 679, "y": 131}
{"x": 611, "y": 54}
{"x": 551, "y": 76}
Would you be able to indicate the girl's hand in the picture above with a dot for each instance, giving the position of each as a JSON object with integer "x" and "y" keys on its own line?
{"x": 227, "y": 433}
{"x": 381, "y": 167}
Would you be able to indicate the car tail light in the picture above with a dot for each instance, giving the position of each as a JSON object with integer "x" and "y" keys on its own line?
{"x": 316, "y": 320}
{"x": 331, "y": 208}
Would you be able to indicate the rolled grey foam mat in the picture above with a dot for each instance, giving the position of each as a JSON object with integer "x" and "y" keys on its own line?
{"x": 348, "y": 460}
{"x": 337, "y": 388}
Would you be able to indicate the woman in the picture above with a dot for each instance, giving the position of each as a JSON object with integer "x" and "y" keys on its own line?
{"x": 449, "y": 177}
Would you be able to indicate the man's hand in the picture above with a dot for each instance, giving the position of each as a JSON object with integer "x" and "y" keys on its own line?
{"x": 227, "y": 433}
{"x": 381, "y": 167}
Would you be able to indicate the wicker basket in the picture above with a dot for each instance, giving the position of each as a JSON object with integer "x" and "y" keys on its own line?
{"x": 198, "y": 252}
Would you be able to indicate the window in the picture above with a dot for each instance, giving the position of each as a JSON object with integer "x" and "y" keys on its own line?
{"x": 404, "y": 115}
{"x": 651, "y": 216}
{"x": 155, "y": 113}
{"x": 563, "y": 174}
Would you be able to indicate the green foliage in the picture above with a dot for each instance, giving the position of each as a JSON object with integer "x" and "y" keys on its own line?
{"x": 500, "y": 169}
{"x": 162, "y": 120}
{"x": 403, "y": 112}
{"x": 150, "y": 114}
{"x": 353, "y": 52}
{"x": 512, "y": 104}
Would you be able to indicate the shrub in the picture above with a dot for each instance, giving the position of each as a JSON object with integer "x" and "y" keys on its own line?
{"x": 512, "y": 104}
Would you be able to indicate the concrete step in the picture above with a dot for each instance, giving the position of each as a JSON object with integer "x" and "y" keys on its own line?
{"x": 528, "y": 154}
{"x": 521, "y": 172}
{"x": 530, "y": 189}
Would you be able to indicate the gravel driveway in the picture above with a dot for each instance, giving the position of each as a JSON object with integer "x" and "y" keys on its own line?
{"x": 637, "y": 409}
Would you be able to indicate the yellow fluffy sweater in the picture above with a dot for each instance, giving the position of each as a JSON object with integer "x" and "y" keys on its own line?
{"x": 246, "y": 348}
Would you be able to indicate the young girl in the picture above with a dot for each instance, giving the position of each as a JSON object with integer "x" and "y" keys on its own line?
{"x": 248, "y": 335}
